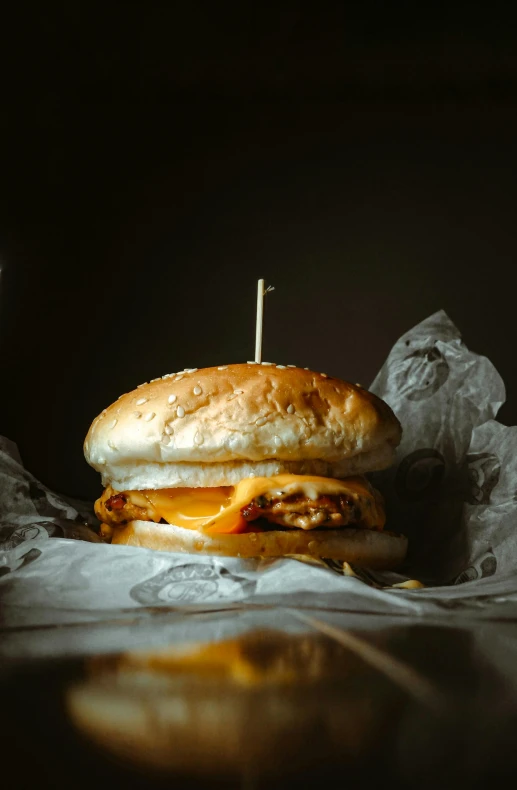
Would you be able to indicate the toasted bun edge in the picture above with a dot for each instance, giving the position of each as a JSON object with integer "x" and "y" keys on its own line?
{"x": 362, "y": 547}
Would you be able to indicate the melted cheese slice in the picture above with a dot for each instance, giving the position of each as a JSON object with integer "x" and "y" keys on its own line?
{"x": 190, "y": 507}
{"x": 218, "y": 509}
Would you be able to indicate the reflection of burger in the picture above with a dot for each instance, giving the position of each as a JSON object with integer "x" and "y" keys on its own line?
{"x": 264, "y": 704}
{"x": 247, "y": 460}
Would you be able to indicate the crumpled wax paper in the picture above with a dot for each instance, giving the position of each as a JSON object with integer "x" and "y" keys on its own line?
{"x": 452, "y": 491}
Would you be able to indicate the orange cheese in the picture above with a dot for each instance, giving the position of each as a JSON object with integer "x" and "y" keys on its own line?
{"x": 218, "y": 509}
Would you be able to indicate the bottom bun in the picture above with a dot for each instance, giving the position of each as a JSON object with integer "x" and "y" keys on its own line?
{"x": 364, "y": 547}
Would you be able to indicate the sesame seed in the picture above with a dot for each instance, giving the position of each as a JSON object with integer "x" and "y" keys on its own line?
{"x": 291, "y": 366}
{"x": 267, "y": 363}
{"x": 179, "y": 377}
{"x": 324, "y": 375}
{"x": 358, "y": 385}
{"x": 198, "y": 439}
{"x": 251, "y": 362}
{"x": 111, "y": 444}
{"x": 142, "y": 384}
{"x": 261, "y": 421}
{"x": 281, "y": 367}
{"x": 238, "y": 392}
{"x": 190, "y": 370}
{"x": 101, "y": 461}
{"x": 169, "y": 430}
{"x": 232, "y": 396}
{"x": 158, "y": 379}
{"x": 278, "y": 441}
{"x": 197, "y": 390}
{"x": 166, "y": 439}
{"x": 141, "y": 401}
{"x": 290, "y": 409}
{"x": 306, "y": 368}
{"x": 113, "y": 424}
{"x": 180, "y": 411}
{"x": 223, "y": 367}
{"x": 149, "y": 416}
{"x": 171, "y": 399}
{"x": 137, "y": 414}
{"x": 103, "y": 412}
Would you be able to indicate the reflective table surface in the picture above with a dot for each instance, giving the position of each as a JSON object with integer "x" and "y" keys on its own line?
{"x": 251, "y": 698}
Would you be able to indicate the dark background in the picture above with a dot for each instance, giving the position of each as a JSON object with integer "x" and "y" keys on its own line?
{"x": 158, "y": 158}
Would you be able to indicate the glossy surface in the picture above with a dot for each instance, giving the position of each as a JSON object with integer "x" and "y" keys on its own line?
{"x": 267, "y": 698}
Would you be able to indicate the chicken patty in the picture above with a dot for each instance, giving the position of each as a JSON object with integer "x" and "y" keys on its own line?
{"x": 118, "y": 508}
{"x": 299, "y": 512}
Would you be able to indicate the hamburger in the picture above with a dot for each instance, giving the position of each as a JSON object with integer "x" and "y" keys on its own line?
{"x": 247, "y": 460}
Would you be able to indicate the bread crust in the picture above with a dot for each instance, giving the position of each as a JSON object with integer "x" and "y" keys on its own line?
{"x": 136, "y": 477}
{"x": 244, "y": 413}
{"x": 362, "y": 547}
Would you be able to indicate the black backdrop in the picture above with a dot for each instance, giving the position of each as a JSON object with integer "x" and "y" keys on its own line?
{"x": 158, "y": 158}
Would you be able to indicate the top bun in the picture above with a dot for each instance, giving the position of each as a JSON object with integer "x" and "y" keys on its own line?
{"x": 217, "y": 425}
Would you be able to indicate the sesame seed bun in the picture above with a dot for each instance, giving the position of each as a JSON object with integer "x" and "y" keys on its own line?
{"x": 219, "y": 425}
{"x": 363, "y": 547}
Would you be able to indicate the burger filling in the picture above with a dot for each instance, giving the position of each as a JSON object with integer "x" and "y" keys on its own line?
{"x": 298, "y": 511}
{"x": 255, "y": 504}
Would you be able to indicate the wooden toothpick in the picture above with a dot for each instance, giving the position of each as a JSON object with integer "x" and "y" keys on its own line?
{"x": 260, "y": 314}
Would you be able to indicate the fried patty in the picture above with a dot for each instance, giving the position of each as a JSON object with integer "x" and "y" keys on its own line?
{"x": 118, "y": 508}
{"x": 299, "y": 512}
